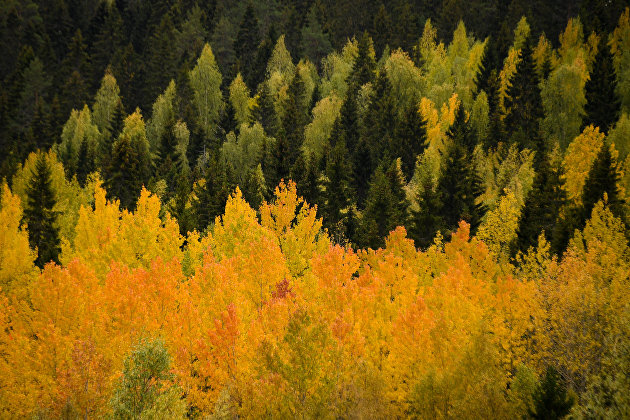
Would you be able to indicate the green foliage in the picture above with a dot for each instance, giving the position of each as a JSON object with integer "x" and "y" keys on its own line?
{"x": 602, "y": 103}
{"x": 205, "y": 81}
{"x": 39, "y": 215}
{"x": 551, "y": 400}
{"x": 143, "y": 390}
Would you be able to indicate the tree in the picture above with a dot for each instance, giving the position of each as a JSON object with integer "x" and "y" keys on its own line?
{"x": 603, "y": 106}
{"x": 337, "y": 194}
{"x": 409, "y": 140}
{"x": 364, "y": 64}
{"x": 550, "y": 397}
{"x": 264, "y": 110}
{"x": 40, "y": 216}
{"x": 542, "y": 207}
{"x": 427, "y": 219}
{"x": 130, "y": 165}
{"x": 523, "y": 103}
{"x": 603, "y": 178}
{"x": 315, "y": 44}
{"x": 205, "y": 80}
{"x": 142, "y": 392}
{"x": 246, "y": 44}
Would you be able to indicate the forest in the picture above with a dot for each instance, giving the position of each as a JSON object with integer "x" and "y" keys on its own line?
{"x": 219, "y": 209}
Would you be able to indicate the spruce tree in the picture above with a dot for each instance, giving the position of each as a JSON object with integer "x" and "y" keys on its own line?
{"x": 246, "y": 45}
{"x": 315, "y": 43}
{"x": 39, "y": 215}
{"x": 379, "y": 120}
{"x": 541, "y": 209}
{"x": 364, "y": 65}
{"x": 295, "y": 117}
{"x": 377, "y": 219}
{"x": 263, "y": 54}
{"x": 86, "y": 164}
{"x": 346, "y": 127}
{"x": 123, "y": 182}
{"x": 427, "y": 219}
{"x": 603, "y": 178}
{"x": 460, "y": 186}
{"x": 306, "y": 176}
{"x": 602, "y": 103}
{"x": 265, "y": 111}
{"x": 409, "y": 140}
{"x": 550, "y": 397}
{"x": 337, "y": 194}
{"x": 523, "y": 103}
{"x": 213, "y": 194}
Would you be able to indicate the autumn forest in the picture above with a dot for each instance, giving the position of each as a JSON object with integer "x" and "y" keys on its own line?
{"x": 349, "y": 209}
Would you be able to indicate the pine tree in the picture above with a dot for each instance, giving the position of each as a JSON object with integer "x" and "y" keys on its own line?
{"x": 86, "y": 164}
{"x": 160, "y": 58}
{"x": 487, "y": 80}
{"x": 213, "y": 195}
{"x": 122, "y": 180}
{"x": 382, "y": 29}
{"x": 265, "y": 111}
{"x": 306, "y": 176}
{"x": 379, "y": 120}
{"x": 459, "y": 186}
{"x": 295, "y": 118}
{"x": 346, "y": 126}
{"x": 337, "y": 195}
{"x": 40, "y": 216}
{"x": 409, "y": 140}
{"x": 541, "y": 209}
{"x": 603, "y": 106}
{"x": 427, "y": 219}
{"x": 263, "y": 54}
{"x": 603, "y": 178}
{"x": 364, "y": 65}
{"x": 551, "y": 400}
{"x": 378, "y": 215}
{"x": 523, "y": 103}
{"x": 107, "y": 41}
{"x": 246, "y": 45}
{"x": 315, "y": 43}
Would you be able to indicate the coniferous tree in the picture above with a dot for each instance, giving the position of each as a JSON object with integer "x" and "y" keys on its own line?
{"x": 306, "y": 177}
{"x": 409, "y": 140}
{"x": 551, "y": 400}
{"x": 122, "y": 181}
{"x": 523, "y": 103}
{"x": 213, "y": 194}
{"x": 86, "y": 164}
{"x": 541, "y": 209}
{"x": 487, "y": 80}
{"x": 346, "y": 127}
{"x": 337, "y": 195}
{"x": 427, "y": 219}
{"x": 460, "y": 186}
{"x": 364, "y": 65}
{"x": 160, "y": 59}
{"x": 379, "y": 120}
{"x": 603, "y": 178}
{"x": 603, "y": 106}
{"x": 246, "y": 45}
{"x": 263, "y": 54}
{"x": 377, "y": 219}
{"x": 108, "y": 40}
{"x": 381, "y": 29}
{"x": 295, "y": 117}
{"x": 40, "y": 215}
{"x": 315, "y": 44}
{"x": 265, "y": 112}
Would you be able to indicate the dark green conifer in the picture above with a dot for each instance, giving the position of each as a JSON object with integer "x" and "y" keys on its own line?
{"x": 523, "y": 103}
{"x": 337, "y": 195}
{"x": 603, "y": 178}
{"x": 246, "y": 45}
{"x": 602, "y": 103}
{"x": 409, "y": 140}
{"x": 427, "y": 219}
{"x": 39, "y": 214}
{"x": 551, "y": 400}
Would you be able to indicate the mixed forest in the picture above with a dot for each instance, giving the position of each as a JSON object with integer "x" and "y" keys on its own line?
{"x": 314, "y": 209}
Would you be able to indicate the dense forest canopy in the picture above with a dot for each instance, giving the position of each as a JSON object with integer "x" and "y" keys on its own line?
{"x": 314, "y": 209}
